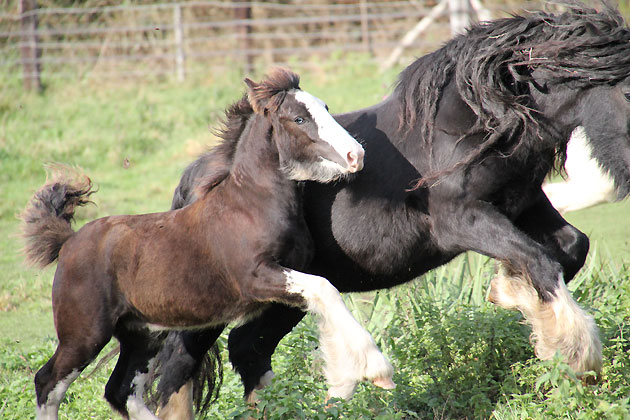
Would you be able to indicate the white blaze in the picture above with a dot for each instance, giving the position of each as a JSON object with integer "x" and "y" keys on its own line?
{"x": 328, "y": 129}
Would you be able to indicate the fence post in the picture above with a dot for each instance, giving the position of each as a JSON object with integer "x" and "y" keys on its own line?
{"x": 461, "y": 18}
{"x": 414, "y": 33}
{"x": 365, "y": 31}
{"x": 244, "y": 30}
{"x": 29, "y": 50}
{"x": 180, "y": 65}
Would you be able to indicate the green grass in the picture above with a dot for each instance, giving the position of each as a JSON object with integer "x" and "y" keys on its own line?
{"x": 608, "y": 227}
{"x": 456, "y": 356}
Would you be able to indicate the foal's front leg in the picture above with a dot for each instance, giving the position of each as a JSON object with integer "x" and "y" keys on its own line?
{"x": 349, "y": 351}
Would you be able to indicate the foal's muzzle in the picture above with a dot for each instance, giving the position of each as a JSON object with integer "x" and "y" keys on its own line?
{"x": 354, "y": 159}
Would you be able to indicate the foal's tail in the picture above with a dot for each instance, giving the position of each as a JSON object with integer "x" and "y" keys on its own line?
{"x": 46, "y": 219}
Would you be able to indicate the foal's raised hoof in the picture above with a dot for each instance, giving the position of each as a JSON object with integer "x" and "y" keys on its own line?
{"x": 385, "y": 383}
{"x": 340, "y": 392}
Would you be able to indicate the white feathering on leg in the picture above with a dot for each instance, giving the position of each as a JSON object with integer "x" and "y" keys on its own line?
{"x": 50, "y": 410}
{"x": 350, "y": 353}
{"x": 559, "y": 325}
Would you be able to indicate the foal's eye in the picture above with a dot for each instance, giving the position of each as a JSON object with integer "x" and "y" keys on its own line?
{"x": 627, "y": 95}
{"x": 299, "y": 120}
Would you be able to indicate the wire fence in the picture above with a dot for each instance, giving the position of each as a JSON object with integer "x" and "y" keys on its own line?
{"x": 178, "y": 39}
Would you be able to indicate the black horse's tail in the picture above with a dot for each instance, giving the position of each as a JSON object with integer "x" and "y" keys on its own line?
{"x": 208, "y": 379}
{"x": 46, "y": 219}
{"x": 206, "y": 382}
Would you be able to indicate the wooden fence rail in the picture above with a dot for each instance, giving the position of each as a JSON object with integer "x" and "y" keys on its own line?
{"x": 181, "y": 38}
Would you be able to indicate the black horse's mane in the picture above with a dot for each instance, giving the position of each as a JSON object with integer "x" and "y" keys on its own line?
{"x": 492, "y": 65}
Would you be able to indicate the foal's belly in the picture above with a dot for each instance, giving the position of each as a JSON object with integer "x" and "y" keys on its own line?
{"x": 195, "y": 312}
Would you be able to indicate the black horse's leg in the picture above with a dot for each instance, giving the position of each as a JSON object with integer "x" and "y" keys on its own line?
{"x": 125, "y": 387}
{"x": 180, "y": 359}
{"x": 533, "y": 282}
{"x": 543, "y": 223}
{"x": 252, "y": 344}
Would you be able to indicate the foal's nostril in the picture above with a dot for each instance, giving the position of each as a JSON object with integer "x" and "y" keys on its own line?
{"x": 355, "y": 161}
{"x": 352, "y": 160}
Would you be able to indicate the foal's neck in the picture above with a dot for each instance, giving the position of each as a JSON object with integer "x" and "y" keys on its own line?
{"x": 256, "y": 162}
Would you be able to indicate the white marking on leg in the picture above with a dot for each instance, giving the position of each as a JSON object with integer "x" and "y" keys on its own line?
{"x": 264, "y": 381}
{"x": 513, "y": 292}
{"x": 135, "y": 404}
{"x": 349, "y": 351}
{"x": 563, "y": 326}
{"x": 50, "y": 410}
{"x": 559, "y": 325}
{"x": 179, "y": 405}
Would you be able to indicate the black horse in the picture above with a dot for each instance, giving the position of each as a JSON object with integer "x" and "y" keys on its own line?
{"x": 455, "y": 160}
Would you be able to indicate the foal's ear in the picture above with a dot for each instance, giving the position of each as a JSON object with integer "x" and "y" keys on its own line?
{"x": 250, "y": 83}
{"x": 255, "y": 101}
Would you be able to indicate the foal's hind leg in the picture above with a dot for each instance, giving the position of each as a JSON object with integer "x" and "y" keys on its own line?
{"x": 80, "y": 341}
{"x": 54, "y": 378}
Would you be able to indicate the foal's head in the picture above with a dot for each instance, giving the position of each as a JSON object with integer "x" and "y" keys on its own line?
{"x": 311, "y": 144}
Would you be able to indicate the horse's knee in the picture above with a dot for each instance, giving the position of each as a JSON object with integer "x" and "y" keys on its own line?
{"x": 252, "y": 369}
{"x": 175, "y": 372}
{"x": 577, "y": 248}
{"x": 574, "y": 245}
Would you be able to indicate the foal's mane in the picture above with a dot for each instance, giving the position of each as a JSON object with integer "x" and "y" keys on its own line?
{"x": 492, "y": 65}
{"x": 263, "y": 98}
{"x": 268, "y": 95}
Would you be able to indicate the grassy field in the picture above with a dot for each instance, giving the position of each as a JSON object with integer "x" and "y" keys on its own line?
{"x": 455, "y": 355}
